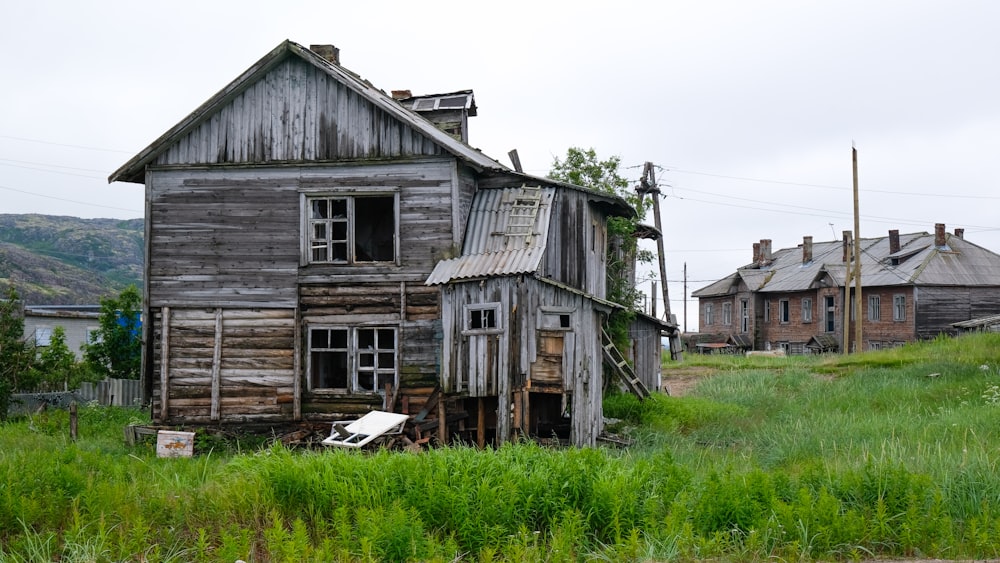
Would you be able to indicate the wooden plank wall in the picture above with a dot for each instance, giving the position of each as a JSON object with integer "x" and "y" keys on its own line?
{"x": 224, "y": 365}
{"x": 939, "y": 306}
{"x": 575, "y": 254}
{"x": 646, "y": 353}
{"x": 297, "y": 112}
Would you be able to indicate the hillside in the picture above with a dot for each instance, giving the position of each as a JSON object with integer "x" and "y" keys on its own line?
{"x": 54, "y": 260}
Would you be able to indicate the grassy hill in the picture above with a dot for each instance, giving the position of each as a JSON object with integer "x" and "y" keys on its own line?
{"x": 55, "y": 260}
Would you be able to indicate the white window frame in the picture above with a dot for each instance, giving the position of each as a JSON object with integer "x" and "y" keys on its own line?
{"x": 709, "y": 314}
{"x": 807, "y": 309}
{"x": 311, "y": 242}
{"x": 767, "y": 310}
{"x": 784, "y": 311}
{"x": 43, "y": 335}
{"x": 874, "y": 308}
{"x": 899, "y": 307}
{"x": 744, "y": 316}
{"x": 727, "y": 314}
{"x": 359, "y": 360}
{"x": 486, "y": 315}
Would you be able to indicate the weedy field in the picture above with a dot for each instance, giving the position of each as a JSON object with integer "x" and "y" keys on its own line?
{"x": 884, "y": 454}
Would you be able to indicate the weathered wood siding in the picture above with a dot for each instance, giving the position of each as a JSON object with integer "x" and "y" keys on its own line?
{"x": 524, "y": 352}
{"x": 297, "y": 112}
{"x": 939, "y": 306}
{"x": 225, "y": 365}
{"x": 647, "y": 352}
{"x": 576, "y": 253}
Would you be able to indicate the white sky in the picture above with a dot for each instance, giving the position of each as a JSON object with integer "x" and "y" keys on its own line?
{"x": 749, "y": 109}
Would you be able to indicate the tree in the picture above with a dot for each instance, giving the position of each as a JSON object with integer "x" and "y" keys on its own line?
{"x": 16, "y": 355}
{"x": 116, "y": 350}
{"x": 583, "y": 168}
{"x": 56, "y": 368}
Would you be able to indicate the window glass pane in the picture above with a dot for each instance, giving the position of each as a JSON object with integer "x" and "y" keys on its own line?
{"x": 319, "y": 230}
{"x": 320, "y": 209}
{"x": 338, "y": 339}
{"x": 386, "y": 360}
{"x": 338, "y": 208}
{"x": 338, "y": 230}
{"x": 366, "y": 360}
{"x": 329, "y": 370}
{"x": 339, "y": 251}
{"x": 366, "y": 338}
{"x": 386, "y": 339}
{"x": 374, "y": 228}
{"x": 366, "y": 381}
{"x": 320, "y": 338}
{"x": 475, "y": 319}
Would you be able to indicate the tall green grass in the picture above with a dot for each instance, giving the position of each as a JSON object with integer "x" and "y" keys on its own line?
{"x": 784, "y": 461}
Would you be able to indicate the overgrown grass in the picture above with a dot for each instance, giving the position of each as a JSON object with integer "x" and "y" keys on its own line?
{"x": 782, "y": 461}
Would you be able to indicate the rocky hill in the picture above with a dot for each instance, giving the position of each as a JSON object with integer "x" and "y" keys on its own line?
{"x": 54, "y": 260}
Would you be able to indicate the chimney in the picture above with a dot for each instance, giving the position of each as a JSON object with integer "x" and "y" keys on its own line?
{"x": 893, "y": 241}
{"x": 765, "y": 250}
{"x": 401, "y": 94}
{"x": 807, "y": 249}
{"x": 756, "y": 252}
{"x": 939, "y": 235}
{"x": 960, "y": 233}
{"x": 848, "y": 240}
{"x": 328, "y": 52}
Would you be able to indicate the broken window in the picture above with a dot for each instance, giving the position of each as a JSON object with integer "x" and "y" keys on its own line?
{"x": 784, "y": 313}
{"x": 352, "y": 229}
{"x": 355, "y": 360}
{"x": 899, "y": 307}
{"x": 482, "y": 318}
{"x": 555, "y": 318}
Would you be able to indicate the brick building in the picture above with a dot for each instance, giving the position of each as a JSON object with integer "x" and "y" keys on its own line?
{"x": 914, "y": 286}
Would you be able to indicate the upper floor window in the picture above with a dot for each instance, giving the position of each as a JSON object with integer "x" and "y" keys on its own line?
{"x": 767, "y": 311}
{"x": 351, "y": 229}
{"x": 784, "y": 312}
{"x": 874, "y": 308}
{"x": 727, "y": 314}
{"x": 807, "y": 310}
{"x": 899, "y": 307}
{"x": 709, "y": 314}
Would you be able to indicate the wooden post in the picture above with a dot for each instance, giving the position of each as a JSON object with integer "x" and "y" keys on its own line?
{"x": 857, "y": 256}
{"x": 72, "y": 421}
{"x": 442, "y": 423}
{"x": 217, "y": 366}
{"x": 164, "y": 364}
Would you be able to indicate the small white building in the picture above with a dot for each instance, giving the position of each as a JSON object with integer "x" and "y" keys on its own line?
{"x": 77, "y": 321}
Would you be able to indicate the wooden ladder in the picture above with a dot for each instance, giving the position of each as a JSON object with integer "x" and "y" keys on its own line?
{"x": 524, "y": 210}
{"x": 614, "y": 358}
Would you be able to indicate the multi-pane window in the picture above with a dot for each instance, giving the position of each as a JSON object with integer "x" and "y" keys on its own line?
{"x": 784, "y": 312}
{"x": 727, "y": 314}
{"x": 709, "y": 314}
{"x": 355, "y": 360}
{"x": 899, "y": 307}
{"x": 352, "y": 229}
{"x": 767, "y": 311}
{"x": 874, "y": 308}
{"x": 744, "y": 315}
{"x": 807, "y": 310}
{"x": 43, "y": 336}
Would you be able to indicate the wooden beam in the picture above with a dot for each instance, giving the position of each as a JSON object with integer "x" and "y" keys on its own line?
{"x": 217, "y": 365}
{"x": 164, "y": 364}
{"x": 297, "y": 369}
{"x": 481, "y": 423}
{"x": 442, "y": 423}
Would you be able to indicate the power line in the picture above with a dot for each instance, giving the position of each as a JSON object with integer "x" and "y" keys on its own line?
{"x": 8, "y": 188}
{"x": 82, "y": 147}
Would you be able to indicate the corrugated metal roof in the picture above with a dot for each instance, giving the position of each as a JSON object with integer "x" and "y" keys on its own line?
{"x": 917, "y": 262}
{"x": 489, "y": 250}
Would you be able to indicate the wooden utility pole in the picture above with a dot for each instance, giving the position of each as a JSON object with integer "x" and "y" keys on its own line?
{"x": 649, "y": 187}
{"x": 857, "y": 256}
{"x": 685, "y": 297}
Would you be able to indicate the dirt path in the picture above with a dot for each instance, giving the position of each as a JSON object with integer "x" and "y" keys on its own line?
{"x": 678, "y": 381}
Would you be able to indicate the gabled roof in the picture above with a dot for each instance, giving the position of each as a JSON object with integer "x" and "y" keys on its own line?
{"x": 134, "y": 169}
{"x": 917, "y": 262}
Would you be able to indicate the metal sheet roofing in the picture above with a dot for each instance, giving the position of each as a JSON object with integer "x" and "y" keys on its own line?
{"x": 917, "y": 262}
{"x": 490, "y": 248}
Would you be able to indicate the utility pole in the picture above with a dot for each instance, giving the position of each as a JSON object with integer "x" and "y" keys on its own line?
{"x": 685, "y": 297}
{"x": 648, "y": 186}
{"x": 857, "y": 255}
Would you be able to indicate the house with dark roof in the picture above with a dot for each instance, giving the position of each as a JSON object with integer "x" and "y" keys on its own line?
{"x": 317, "y": 249}
{"x": 913, "y": 286}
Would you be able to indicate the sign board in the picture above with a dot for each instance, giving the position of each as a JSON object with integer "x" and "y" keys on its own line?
{"x": 174, "y": 444}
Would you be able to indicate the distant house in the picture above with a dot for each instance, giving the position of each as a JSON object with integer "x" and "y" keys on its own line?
{"x": 78, "y": 323}
{"x": 914, "y": 286}
{"x": 317, "y": 249}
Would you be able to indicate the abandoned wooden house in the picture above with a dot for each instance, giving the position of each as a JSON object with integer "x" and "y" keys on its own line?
{"x": 317, "y": 249}
{"x": 913, "y": 286}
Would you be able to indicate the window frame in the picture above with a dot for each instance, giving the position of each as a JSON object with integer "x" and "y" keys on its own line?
{"x": 562, "y": 315}
{"x": 350, "y": 196}
{"x": 709, "y": 314}
{"x": 354, "y": 354}
{"x": 43, "y": 335}
{"x": 784, "y": 311}
{"x": 767, "y": 310}
{"x": 744, "y": 316}
{"x": 727, "y": 314}
{"x": 807, "y": 310}
{"x": 471, "y": 309}
{"x": 899, "y": 307}
{"x": 874, "y": 308}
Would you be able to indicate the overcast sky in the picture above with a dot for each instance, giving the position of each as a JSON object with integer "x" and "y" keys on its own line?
{"x": 748, "y": 109}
